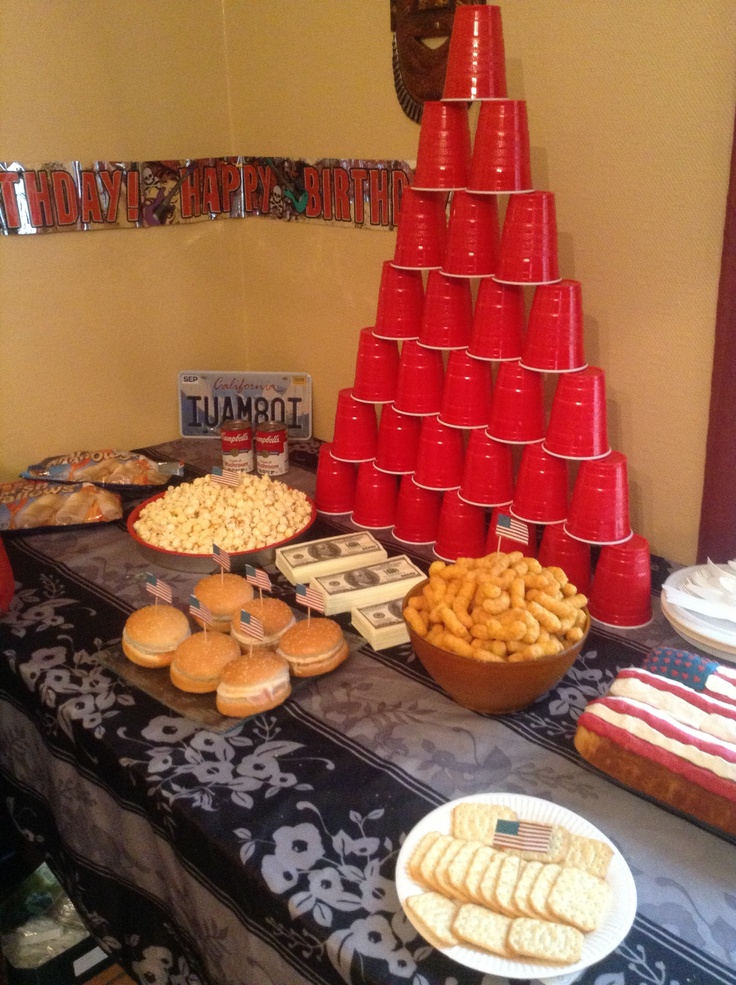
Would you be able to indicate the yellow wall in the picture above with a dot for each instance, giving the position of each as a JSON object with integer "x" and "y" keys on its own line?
{"x": 631, "y": 112}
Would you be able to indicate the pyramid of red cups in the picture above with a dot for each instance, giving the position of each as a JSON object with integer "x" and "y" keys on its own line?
{"x": 447, "y": 437}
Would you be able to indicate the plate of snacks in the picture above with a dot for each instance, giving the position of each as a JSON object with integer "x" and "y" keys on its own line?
{"x": 178, "y": 528}
{"x": 515, "y": 886}
{"x": 497, "y": 632}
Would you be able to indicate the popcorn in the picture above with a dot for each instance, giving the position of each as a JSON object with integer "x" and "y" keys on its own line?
{"x": 190, "y": 518}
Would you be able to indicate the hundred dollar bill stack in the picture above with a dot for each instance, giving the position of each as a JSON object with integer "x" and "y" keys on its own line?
{"x": 382, "y": 624}
{"x": 367, "y": 584}
{"x": 300, "y": 563}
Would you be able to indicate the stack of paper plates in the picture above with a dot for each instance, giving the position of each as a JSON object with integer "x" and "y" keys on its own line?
{"x": 714, "y": 636}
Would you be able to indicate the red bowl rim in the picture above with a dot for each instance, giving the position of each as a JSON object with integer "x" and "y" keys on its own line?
{"x": 135, "y": 513}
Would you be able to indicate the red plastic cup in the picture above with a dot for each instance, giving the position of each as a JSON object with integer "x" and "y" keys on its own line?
{"x": 528, "y": 252}
{"x": 498, "y": 322}
{"x": 506, "y": 533}
{"x": 417, "y": 513}
{"x": 376, "y": 493}
{"x": 517, "y": 408}
{"x": 422, "y": 230}
{"x": 621, "y": 593}
{"x": 461, "y": 531}
{"x": 558, "y": 549}
{"x": 488, "y": 473}
{"x": 540, "y": 495}
{"x": 554, "y": 338}
{"x": 400, "y": 303}
{"x": 473, "y": 237}
{"x": 335, "y": 487}
{"x": 578, "y": 425}
{"x": 501, "y": 159}
{"x": 398, "y": 441}
{"x": 356, "y": 429}
{"x": 476, "y": 61}
{"x": 421, "y": 379}
{"x": 466, "y": 398}
{"x": 376, "y": 369}
{"x": 448, "y": 313}
{"x": 599, "y": 506}
{"x": 444, "y": 149}
{"x": 440, "y": 456}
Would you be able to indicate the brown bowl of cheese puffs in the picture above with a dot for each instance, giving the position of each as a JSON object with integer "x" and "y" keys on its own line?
{"x": 496, "y": 632}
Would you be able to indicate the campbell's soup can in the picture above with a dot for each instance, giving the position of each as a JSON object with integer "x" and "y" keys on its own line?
{"x": 272, "y": 448}
{"x": 236, "y": 438}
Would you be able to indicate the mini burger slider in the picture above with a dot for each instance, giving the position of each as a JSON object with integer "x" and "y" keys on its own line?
{"x": 275, "y": 617}
{"x": 152, "y": 634}
{"x": 224, "y": 594}
{"x": 199, "y": 661}
{"x": 313, "y": 646}
{"x": 252, "y": 684}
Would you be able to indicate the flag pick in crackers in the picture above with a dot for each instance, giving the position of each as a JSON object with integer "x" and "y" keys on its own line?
{"x": 251, "y": 625}
{"x": 509, "y": 526}
{"x": 159, "y": 588}
{"x": 221, "y": 557}
{"x": 530, "y": 836}
{"x": 199, "y": 610}
{"x": 225, "y": 477}
{"x": 309, "y": 597}
{"x": 258, "y": 578}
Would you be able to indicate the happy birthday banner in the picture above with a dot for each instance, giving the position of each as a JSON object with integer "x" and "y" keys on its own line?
{"x": 73, "y": 196}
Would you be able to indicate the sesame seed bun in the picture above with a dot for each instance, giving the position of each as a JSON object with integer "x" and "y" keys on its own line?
{"x": 224, "y": 594}
{"x": 151, "y": 634}
{"x": 199, "y": 661}
{"x": 275, "y": 615}
{"x": 313, "y": 646}
{"x": 253, "y": 683}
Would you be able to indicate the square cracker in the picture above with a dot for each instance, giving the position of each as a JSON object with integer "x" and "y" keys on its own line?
{"x": 505, "y": 885}
{"x": 420, "y": 850}
{"x": 542, "y": 885}
{"x": 433, "y": 915}
{"x": 477, "y": 822}
{"x": 590, "y": 854}
{"x": 559, "y": 846}
{"x": 459, "y": 869}
{"x": 524, "y": 887}
{"x": 545, "y": 941}
{"x": 482, "y": 928}
{"x": 441, "y": 880}
{"x": 487, "y": 886}
{"x": 578, "y": 898}
{"x": 428, "y": 864}
{"x": 476, "y": 872}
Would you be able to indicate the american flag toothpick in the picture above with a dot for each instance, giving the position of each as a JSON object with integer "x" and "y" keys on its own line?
{"x": 530, "y": 836}
{"x": 251, "y": 625}
{"x": 258, "y": 578}
{"x": 225, "y": 477}
{"x": 309, "y": 597}
{"x": 198, "y": 610}
{"x": 509, "y": 526}
{"x": 221, "y": 557}
{"x": 159, "y": 588}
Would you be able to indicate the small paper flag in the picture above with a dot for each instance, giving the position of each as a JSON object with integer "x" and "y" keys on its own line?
{"x": 226, "y": 477}
{"x": 529, "y": 836}
{"x": 258, "y": 577}
{"x": 251, "y": 625}
{"x": 221, "y": 557}
{"x": 159, "y": 588}
{"x": 199, "y": 610}
{"x": 509, "y": 526}
{"x": 309, "y": 597}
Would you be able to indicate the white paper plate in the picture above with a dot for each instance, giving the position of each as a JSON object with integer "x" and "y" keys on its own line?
{"x": 704, "y": 631}
{"x": 596, "y": 945}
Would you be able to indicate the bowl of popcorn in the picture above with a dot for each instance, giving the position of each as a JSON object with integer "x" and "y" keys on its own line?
{"x": 496, "y": 632}
{"x": 179, "y": 527}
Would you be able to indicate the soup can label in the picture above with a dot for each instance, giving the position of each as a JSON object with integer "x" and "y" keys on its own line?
{"x": 272, "y": 448}
{"x": 236, "y": 438}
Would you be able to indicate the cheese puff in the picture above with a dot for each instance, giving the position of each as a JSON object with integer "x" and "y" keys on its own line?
{"x": 579, "y": 601}
{"x": 488, "y": 656}
{"x": 435, "y": 633}
{"x": 558, "y": 574}
{"x": 513, "y": 630}
{"x": 569, "y": 589}
{"x": 489, "y": 560}
{"x": 498, "y": 647}
{"x": 574, "y": 635}
{"x": 436, "y": 568}
{"x": 540, "y": 580}
{"x": 560, "y": 607}
{"x": 488, "y": 590}
{"x": 495, "y": 606}
{"x": 581, "y": 618}
{"x": 548, "y": 620}
{"x": 517, "y": 592}
{"x": 417, "y": 602}
{"x": 533, "y": 629}
{"x": 537, "y": 650}
{"x": 462, "y": 601}
{"x": 567, "y": 622}
{"x": 414, "y": 619}
{"x": 453, "y": 624}
{"x": 515, "y": 557}
{"x": 533, "y": 565}
{"x": 455, "y": 645}
{"x": 499, "y": 565}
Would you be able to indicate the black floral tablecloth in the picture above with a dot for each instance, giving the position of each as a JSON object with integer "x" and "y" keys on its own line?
{"x": 266, "y": 854}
